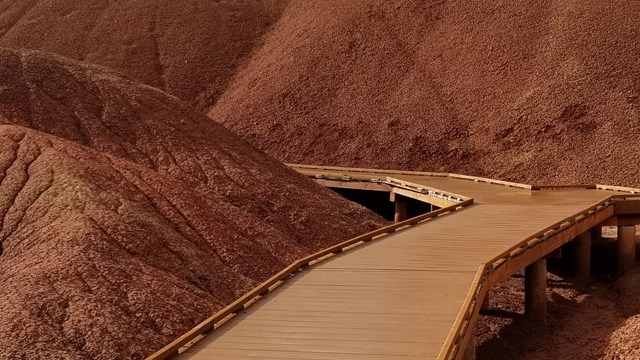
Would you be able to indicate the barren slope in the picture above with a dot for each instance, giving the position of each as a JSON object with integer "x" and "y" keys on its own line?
{"x": 189, "y": 48}
{"x": 546, "y": 91}
{"x": 127, "y": 217}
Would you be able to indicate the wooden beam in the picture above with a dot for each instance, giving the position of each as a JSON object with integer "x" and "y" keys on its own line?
{"x": 622, "y": 220}
{"x": 628, "y": 207}
{"x": 596, "y": 233}
{"x": 353, "y": 185}
{"x": 548, "y": 245}
{"x": 582, "y": 257}
{"x": 556, "y": 254}
{"x": 430, "y": 199}
{"x": 628, "y": 220}
{"x": 626, "y": 248}
{"x": 535, "y": 291}
{"x": 470, "y": 351}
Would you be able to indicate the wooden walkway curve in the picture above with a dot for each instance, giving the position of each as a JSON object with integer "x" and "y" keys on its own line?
{"x": 414, "y": 293}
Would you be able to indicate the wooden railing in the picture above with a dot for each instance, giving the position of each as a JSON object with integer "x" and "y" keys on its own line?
{"x": 397, "y": 183}
{"x": 461, "y": 333}
{"x": 618, "y": 188}
{"x": 361, "y": 170}
{"x": 491, "y": 181}
{"x": 212, "y": 322}
{"x": 341, "y": 171}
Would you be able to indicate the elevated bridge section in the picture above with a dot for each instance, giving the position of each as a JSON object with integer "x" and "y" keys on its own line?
{"x": 413, "y": 290}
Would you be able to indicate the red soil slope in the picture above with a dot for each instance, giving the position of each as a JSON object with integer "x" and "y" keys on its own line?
{"x": 190, "y": 48}
{"x": 528, "y": 91}
{"x": 127, "y": 218}
{"x": 537, "y": 92}
{"x": 544, "y": 91}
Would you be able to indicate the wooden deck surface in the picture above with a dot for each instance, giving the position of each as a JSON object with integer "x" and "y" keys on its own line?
{"x": 398, "y": 297}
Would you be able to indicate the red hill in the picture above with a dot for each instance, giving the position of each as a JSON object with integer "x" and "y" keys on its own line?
{"x": 128, "y": 218}
{"x": 538, "y": 92}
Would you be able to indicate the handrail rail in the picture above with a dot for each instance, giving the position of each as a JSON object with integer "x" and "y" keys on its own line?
{"x": 617, "y": 188}
{"x": 264, "y": 288}
{"x": 490, "y": 181}
{"x": 547, "y": 232}
{"x": 365, "y": 170}
{"x": 418, "y": 173}
{"x": 406, "y": 172}
{"x": 396, "y": 183}
{"x": 421, "y": 188}
{"x": 563, "y": 187}
{"x": 468, "y": 177}
{"x": 459, "y": 335}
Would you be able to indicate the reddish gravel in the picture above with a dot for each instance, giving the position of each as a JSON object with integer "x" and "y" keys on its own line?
{"x": 190, "y": 48}
{"x": 128, "y": 218}
{"x": 538, "y": 92}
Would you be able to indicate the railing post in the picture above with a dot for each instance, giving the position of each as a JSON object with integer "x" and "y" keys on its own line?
{"x": 535, "y": 291}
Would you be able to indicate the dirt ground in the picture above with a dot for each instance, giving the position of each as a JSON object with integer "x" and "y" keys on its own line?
{"x": 538, "y": 92}
{"x": 598, "y": 321}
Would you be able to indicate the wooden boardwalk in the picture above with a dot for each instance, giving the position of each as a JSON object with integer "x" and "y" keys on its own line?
{"x": 415, "y": 293}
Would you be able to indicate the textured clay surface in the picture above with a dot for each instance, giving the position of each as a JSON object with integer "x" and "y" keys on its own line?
{"x": 189, "y": 48}
{"x": 127, "y": 218}
{"x": 545, "y": 92}
{"x": 542, "y": 92}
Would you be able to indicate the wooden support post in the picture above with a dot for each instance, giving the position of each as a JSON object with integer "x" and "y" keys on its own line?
{"x": 596, "y": 233}
{"x": 535, "y": 291}
{"x": 582, "y": 257}
{"x": 401, "y": 208}
{"x": 626, "y": 248}
{"x": 485, "y": 302}
{"x": 470, "y": 351}
{"x": 556, "y": 254}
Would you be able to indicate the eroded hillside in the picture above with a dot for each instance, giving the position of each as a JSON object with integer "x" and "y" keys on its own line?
{"x": 128, "y": 218}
